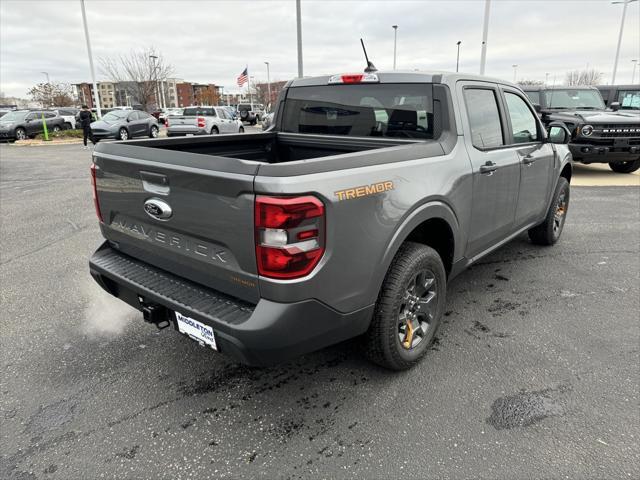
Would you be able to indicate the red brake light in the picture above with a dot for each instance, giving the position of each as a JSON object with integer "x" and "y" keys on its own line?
{"x": 353, "y": 78}
{"x": 96, "y": 202}
{"x": 201, "y": 122}
{"x": 166, "y": 122}
{"x": 289, "y": 235}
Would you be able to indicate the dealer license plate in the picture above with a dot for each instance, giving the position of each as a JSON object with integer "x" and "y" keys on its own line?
{"x": 198, "y": 331}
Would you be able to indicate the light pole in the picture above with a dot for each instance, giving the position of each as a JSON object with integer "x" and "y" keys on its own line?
{"x": 633, "y": 72}
{"x": 93, "y": 72}
{"x": 458, "y": 56}
{"x": 485, "y": 35}
{"x": 155, "y": 78}
{"x": 395, "y": 43}
{"x": 515, "y": 71}
{"x": 49, "y": 88}
{"x": 268, "y": 82}
{"x": 624, "y": 13}
{"x": 546, "y": 78}
{"x": 299, "y": 36}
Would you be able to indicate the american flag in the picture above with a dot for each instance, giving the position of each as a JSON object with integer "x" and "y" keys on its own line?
{"x": 243, "y": 77}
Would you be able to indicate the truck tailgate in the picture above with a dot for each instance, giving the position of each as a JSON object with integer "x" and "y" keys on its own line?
{"x": 207, "y": 232}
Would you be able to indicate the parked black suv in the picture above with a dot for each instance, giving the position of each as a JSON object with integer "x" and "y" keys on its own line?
{"x": 627, "y": 97}
{"x": 598, "y": 135}
{"x": 23, "y": 124}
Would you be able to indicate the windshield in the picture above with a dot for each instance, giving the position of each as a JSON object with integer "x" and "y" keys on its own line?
{"x": 115, "y": 116}
{"x": 362, "y": 110}
{"x": 629, "y": 99}
{"x": 574, "y": 99}
{"x": 14, "y": 116}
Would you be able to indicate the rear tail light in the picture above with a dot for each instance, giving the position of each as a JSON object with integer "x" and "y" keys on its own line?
{"x": 289, "y": 235}
{"x": 96, "y": 202}
{"x": 201, "y": 123}
{"x": 166, "y": 122}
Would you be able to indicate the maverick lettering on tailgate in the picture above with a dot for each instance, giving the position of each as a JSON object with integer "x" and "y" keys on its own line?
{"x": 172, "y": 241}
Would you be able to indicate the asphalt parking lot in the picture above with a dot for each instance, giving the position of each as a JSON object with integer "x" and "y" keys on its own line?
{"x": 535, "y": 372}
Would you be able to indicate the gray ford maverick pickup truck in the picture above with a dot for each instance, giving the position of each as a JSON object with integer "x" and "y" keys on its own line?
{"x": 346, "y": 218}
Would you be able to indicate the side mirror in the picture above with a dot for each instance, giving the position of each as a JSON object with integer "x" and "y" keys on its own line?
{"x": 537, "y": 107}
{"x": 615, "y": 106}
{"x": 558, "y": 133}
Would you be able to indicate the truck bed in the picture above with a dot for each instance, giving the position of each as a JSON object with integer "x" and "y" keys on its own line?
{"x": 269, "y": 147}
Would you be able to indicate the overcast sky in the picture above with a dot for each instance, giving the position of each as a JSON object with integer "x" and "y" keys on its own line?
{"x": 211, "y": 41}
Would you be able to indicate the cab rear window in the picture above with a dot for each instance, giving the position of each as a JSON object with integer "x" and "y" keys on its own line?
{"x": 401, "y": 110}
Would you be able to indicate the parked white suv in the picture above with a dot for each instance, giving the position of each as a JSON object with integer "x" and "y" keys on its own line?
{"x": 202, "y": 120}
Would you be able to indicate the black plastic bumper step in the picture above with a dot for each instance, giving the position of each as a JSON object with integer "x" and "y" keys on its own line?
{"x": 173, "y": 291}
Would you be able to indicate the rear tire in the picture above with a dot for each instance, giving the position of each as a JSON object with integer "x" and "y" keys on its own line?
{"x": 56, "y": 128}
{"x": 67, "y": 126}
{"x": 153, "y": 132}
{"x": 123, "y": 134}
{"x": 549, "y": 231}
{"x": 409, "y": 308}
{"x": 625, "y": 167}
{"x": 241, "y": 130}
{"x": 215, "y": 131}
{"x": 21, "y": 134}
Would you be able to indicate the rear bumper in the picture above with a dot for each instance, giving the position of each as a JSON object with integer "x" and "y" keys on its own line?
{"x": 261, "y": 335}
{"x": 179, "y": 132}
{"x": 603, "y": 154}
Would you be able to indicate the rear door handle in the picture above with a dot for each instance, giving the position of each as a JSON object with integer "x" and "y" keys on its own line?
{"x": 528, "y": 159}
{"x": 488, "y": 167}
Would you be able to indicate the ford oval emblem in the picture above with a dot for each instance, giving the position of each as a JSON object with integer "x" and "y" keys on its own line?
{"x": 158, "y": 209}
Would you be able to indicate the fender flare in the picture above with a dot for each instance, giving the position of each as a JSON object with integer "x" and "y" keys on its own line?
{"x": 435, "y": 209}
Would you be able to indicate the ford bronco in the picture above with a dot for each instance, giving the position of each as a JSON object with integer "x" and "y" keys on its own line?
{"x": 598, "y": 135}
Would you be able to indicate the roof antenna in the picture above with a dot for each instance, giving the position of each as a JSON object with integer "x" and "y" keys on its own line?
{"x": 370, "y": 66}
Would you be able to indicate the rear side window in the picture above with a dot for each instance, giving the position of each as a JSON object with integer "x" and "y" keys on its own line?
{"x": 523, "y": 123}
{"x": 362, "y": 110}
{"x": 484, "y": 117}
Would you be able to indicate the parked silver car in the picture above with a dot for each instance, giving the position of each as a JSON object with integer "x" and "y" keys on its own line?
{"x": 203, "y": 121}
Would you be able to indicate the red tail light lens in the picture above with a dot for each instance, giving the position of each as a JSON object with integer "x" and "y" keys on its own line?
{"x": 289, "y": 235}
{"x": 354, "y": 78}
{"x": 201, "y": 123}
{"x": 166, "y": 122}
{"x": 96, "y": 202}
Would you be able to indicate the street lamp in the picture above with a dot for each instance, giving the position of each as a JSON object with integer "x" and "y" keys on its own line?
{"x": 268, "y": 82}
{"x": 299, "y": 38}
{"x": 156, "y": 90}
{"x": 624, "y": 13}
{"x": 395, "y": 43}
{"x": 49, "y": 88}
{"x": 633, "y": 72}
{"x": 93, "y": 72}
{"x": 485, "y": 35}
{"x": 515, "y": 71}
{"x": 458, "y": 57}
{"x": 546, "y": 78}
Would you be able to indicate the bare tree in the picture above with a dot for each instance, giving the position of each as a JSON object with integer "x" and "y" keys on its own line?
{"x": 589, "y": 76}
{"x": 52, "y": 94}
{"x": 534, "y": 83}
{"x": 138, "y": 74}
